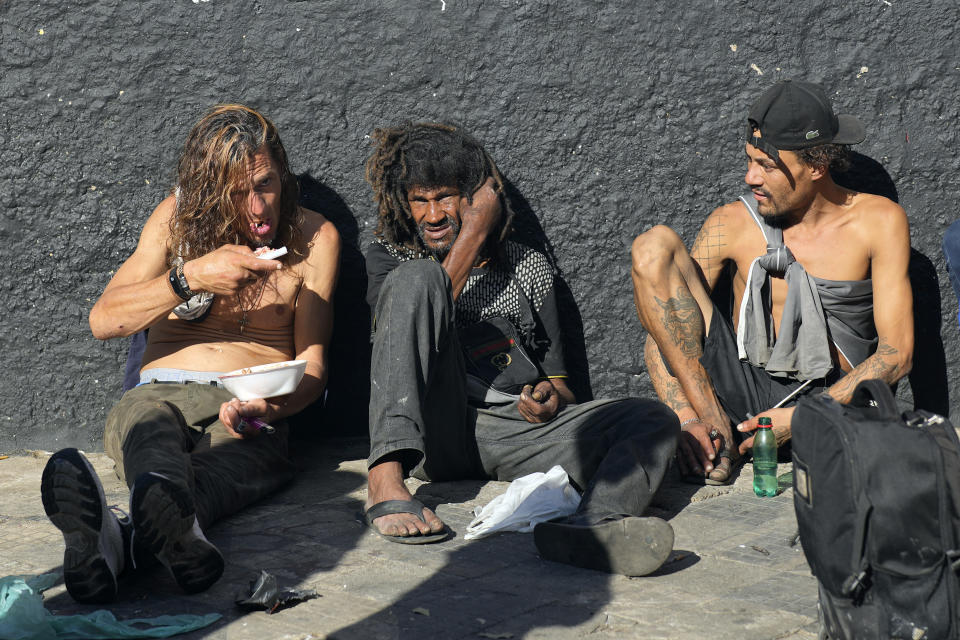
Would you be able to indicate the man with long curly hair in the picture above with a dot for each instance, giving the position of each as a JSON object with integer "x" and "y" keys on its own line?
{"x": 468, "y": 377}
{"x": 190, "y": 452}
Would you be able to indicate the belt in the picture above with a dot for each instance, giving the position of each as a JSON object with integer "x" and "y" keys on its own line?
{"x": 212, "y": 383}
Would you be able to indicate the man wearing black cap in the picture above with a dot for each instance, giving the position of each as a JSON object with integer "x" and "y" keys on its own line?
{"x": 821, "y": 296}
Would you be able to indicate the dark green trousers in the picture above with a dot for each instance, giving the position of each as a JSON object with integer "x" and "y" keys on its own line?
{"x": 174, "y": 430}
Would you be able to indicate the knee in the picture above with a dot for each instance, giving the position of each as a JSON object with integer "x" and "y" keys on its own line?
{"x": 147, "y": 414}
{"x": 417, "y": 277}
{"x": 654, "y": 416}
{"x": 653, "y": 250}
{"x": 412, "y": 289}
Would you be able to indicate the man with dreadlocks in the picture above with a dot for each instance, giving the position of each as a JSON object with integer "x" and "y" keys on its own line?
{"x": 178, "y": 439}
{"x": 467, "y": 377}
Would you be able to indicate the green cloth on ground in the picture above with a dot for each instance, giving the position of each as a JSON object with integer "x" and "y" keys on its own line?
{"x": 23, "y": 617}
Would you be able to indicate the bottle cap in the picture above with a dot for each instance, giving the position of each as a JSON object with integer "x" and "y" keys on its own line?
{"x": 764, "y": 423}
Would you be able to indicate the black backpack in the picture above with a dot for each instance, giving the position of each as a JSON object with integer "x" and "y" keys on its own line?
{"x": 877, "y": 496}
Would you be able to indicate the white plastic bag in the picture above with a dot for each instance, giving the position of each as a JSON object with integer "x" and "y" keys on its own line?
{"x": 529, "y": 500}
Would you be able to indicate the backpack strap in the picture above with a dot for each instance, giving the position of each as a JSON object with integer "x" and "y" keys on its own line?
{"x": 876, "y": 393}
{"x": 856, "y": 583}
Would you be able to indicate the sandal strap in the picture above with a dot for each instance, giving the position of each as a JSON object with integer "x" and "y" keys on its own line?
{"x": 388, "y": 507}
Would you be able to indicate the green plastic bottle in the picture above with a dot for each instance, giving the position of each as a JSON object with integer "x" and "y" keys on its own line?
{"x": 765, "y": 459}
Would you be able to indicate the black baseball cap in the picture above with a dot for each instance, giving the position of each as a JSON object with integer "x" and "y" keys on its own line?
{"x": 794, "y": 114}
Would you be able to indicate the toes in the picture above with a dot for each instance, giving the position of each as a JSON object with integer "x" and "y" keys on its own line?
{"x": 722, "y": 471}
{"x": 391, "y": 526}
{"x": 433, "y": 523}
{"x": 385, "y": 526}
{"x": 404, "y": 525}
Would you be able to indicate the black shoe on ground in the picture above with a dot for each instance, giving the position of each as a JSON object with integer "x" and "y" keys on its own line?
{"x": 628, "y": 546}
{"x": 73, "y": 500}
{"x": 165, "y": 524}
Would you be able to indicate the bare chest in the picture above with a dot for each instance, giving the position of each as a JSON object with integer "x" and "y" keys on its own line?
{"x": 261, "y": 310}
{"x": 267, "y": 304}
{"x": 831, "y": 254}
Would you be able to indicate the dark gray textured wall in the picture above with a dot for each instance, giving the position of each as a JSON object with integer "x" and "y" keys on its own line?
{"x": 607, "y": 117}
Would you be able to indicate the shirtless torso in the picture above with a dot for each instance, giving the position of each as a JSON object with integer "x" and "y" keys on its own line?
{"x": 839, "y": 245}
{"x": 836, "y": 234}
{"x": 268, "y": 305}
{"x": 285, "y": 305}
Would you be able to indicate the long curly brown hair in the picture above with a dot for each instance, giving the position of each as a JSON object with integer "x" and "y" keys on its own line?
{"x": 212, "y": 177}
{"x": 428, "y": 155}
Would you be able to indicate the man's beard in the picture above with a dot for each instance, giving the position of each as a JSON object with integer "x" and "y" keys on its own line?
{"x": 440, "y": 252}
{"x": 777, "y": 219}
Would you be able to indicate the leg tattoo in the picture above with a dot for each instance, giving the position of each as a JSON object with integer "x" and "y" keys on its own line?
{"x": 683, "y": 322}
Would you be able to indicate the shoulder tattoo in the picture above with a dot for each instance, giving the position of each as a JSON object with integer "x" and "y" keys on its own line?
{"x": 710, "y": 239}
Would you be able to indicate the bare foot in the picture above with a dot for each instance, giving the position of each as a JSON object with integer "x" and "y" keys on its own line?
{"x": 724, "y": 469}
{"x": 385, "y": 482}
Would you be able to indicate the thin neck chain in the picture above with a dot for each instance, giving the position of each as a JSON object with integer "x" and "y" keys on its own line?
{"x": 243, "y": 312}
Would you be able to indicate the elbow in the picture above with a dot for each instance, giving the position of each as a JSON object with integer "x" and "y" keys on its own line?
{"x": 97, "y": 326}
{"x": 904, "y": 361}
{"x": 103, "y": 329}
{"x": 103, "y": 333}
{"x": 904, "y": 364}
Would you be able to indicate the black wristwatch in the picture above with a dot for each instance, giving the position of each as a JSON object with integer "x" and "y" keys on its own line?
{"x": 179, "y": 283}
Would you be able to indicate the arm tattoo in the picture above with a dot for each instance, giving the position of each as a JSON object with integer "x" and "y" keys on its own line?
{"x": 667, "y": 387}
{"x": 672, "y": 395}
{"x": 712, "y": 236}
{"x": 683, "y": 322}
{"x": 882, "y": 365}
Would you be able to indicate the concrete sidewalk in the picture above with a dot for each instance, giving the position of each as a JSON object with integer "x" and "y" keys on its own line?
{"x": 733, "y": 573}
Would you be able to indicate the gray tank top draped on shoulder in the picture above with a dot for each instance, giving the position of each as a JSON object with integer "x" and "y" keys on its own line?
{"x": 816, "y": 313}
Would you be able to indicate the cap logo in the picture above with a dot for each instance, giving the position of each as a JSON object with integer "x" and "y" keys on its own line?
{"x": 813, "y": 134}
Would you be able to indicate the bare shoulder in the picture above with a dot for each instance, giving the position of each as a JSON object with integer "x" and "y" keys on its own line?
{"x": 158, "y": 224}
{"x": 321, "y": 250}
{"x": 872, "y": 208}
{"x": 722, "y": 230}
{"x": 149, "y": 259}
{"x": 878, "y": 219}
{"x": 320, "y": 236}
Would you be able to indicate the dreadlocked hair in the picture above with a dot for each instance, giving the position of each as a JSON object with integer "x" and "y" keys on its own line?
{"x": 213, "y": 178}
{"x": 428, "y": 155}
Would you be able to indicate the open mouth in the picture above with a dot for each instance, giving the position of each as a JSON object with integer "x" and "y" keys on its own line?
{"x": 260, "y": 229}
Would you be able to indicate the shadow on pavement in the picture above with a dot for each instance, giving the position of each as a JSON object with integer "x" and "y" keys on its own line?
{"x": 300, "y": 531}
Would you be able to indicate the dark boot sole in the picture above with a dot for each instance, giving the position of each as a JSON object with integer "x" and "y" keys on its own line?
{"x": 73, "y": 500}
{"x": 164, "y": 523}
{"x": 629, "y": 546}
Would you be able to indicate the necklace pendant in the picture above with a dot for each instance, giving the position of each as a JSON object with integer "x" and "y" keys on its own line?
{"x": 243, "y": 321}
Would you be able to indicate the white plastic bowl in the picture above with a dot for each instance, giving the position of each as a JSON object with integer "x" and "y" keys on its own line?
{"x": 264, "y": 381}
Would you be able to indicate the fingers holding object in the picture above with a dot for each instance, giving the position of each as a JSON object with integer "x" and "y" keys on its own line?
{"x": 231, "y": 417}
{"x": 701, "y": 448}
{"x": 544, "y": 391}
